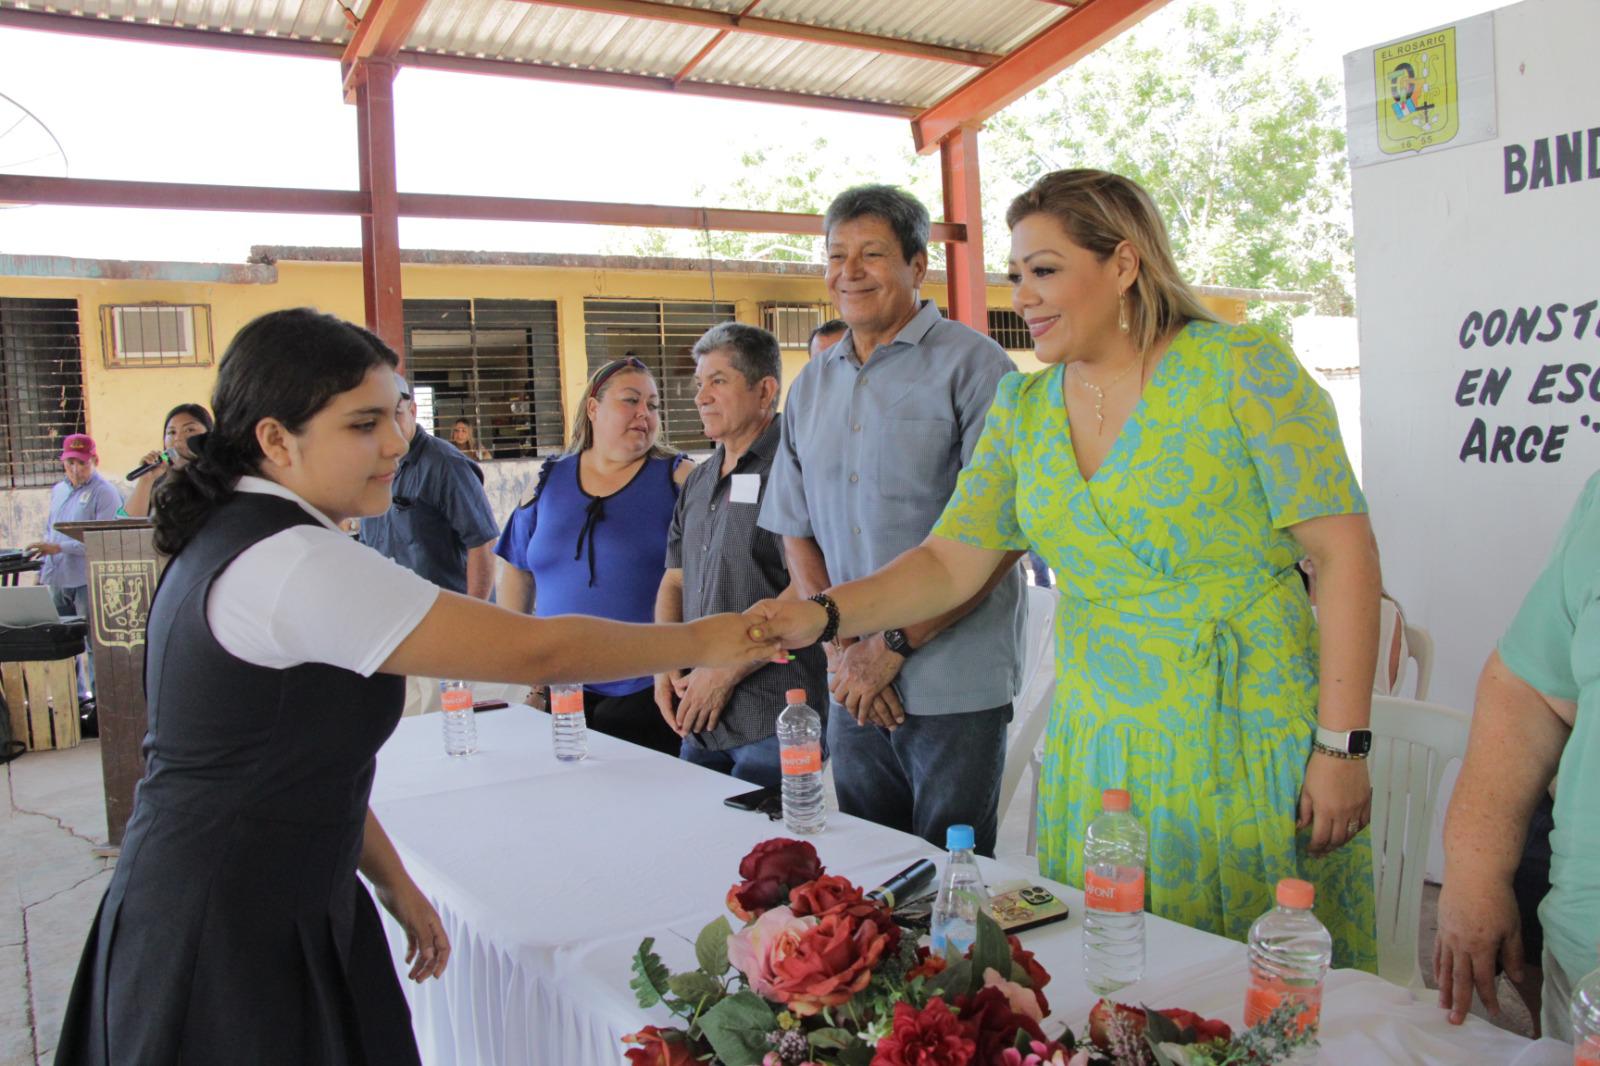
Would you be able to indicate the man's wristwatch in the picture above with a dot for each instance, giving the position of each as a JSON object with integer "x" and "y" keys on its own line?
{"x": 895, "y": 640}
{"x": 1351, "y": 744}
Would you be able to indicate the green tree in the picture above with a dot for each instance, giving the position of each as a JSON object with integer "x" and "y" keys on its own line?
{"x": 1212, "y": 113}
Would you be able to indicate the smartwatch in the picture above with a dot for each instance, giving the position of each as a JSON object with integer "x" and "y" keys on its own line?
{"x": 895, "y": 640}
{"x": 1352, "y": 744}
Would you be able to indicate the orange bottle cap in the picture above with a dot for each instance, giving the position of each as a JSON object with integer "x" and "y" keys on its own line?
{"x": 795, "y": 695}
{"x": 1116, "y": 799}
{"x": 1295, "y": 893}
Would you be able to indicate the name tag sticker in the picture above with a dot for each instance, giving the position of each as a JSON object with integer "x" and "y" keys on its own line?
{"x": 746, "y": 489}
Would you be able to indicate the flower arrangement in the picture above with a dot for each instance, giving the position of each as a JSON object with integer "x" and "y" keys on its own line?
{"x": 820, "y": 974}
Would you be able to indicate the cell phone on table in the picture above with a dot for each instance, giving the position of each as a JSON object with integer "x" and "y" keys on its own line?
{"x": 762, "y": 799}
{"x": 489, "y": 705}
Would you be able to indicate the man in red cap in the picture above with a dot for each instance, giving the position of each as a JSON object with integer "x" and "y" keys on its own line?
{"x": 82, "y": 496}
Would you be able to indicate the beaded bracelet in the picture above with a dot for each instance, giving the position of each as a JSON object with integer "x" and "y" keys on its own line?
{"x": 830, "y": 630}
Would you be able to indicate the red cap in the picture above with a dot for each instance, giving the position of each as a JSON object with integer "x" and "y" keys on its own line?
{"x": 1297, "y": 894}
{"x": 1115, "y": 799}
{"x": 795, "y": 695}
{"x": 79, "y": 446}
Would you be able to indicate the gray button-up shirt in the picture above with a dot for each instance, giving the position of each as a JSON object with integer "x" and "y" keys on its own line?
{"x": 867, "y": 461}
{"x": 729, "y": 563}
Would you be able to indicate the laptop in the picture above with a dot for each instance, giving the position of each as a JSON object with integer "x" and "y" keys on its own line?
{"x": 28, "y": 606}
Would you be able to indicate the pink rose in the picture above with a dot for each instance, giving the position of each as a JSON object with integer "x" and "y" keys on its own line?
{"x": 1022, "y": 1000}
{"x": 756, "y": 949}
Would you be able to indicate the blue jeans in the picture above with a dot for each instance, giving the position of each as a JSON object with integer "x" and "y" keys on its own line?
{"x": 935, "y": 771}
{"x": 75, "y": 601}
{"x": 756, "y": 762}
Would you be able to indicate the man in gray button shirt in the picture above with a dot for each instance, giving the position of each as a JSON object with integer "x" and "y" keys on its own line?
{"x": 875, "y": 431}
{"x": 718, "y": 559}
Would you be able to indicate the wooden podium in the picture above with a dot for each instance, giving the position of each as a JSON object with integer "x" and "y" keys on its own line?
{"x": 123, "y": 570}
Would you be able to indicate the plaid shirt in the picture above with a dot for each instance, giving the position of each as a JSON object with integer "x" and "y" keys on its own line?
{"x": 729, "y": 563}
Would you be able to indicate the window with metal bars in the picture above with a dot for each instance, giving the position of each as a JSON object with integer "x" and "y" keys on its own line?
{"x": 660, "y": 334}
{"x": 495, "y": 364}
{"x": 41, "y": 388}
{"x": 792, "y": 323}
{"x": 155, "y": 334}
{"x": 1009, "y": 330}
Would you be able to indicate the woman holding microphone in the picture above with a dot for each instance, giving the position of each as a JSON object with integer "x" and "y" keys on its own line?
{"x": 183, "y": 422}
{"x": 235, "y": 928}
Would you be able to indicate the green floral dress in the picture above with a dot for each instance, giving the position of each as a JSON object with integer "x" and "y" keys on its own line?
{"x": 1186, "y": 649}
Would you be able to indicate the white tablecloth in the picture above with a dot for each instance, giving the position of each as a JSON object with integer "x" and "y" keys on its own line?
{"x": 548, "y": 875}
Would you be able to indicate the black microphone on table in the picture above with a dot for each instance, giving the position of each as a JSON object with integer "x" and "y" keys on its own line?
{"x": 163, "y": 459}
{"x": 905, "y": 884}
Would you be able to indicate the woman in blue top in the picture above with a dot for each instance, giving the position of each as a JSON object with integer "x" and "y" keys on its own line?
{"x": 593, "y": 538}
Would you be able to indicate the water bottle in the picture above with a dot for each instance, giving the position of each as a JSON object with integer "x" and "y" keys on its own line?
{"x": 460, "y": 727}
{"x": 1586, "y": 1021}
{"x": 961, "y": 895}
{"x": 1114, "y": 851}
{"x": 566, "y": 718}
{"x": 1290, "y": 952}
{"x": 800, "y": 752}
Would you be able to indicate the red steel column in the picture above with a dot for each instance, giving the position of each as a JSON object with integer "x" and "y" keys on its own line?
{"x": 380, "y": 225}
{"x": 963, "y": 203}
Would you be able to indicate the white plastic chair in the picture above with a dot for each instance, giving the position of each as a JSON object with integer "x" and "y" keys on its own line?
{"x": 1031, "y": 706}
{"x": 1419, "y": 647}
{"x": 1412, "y": 743}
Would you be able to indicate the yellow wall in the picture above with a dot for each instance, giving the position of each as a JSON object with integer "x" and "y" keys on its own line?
{"x": 125, "y": 404}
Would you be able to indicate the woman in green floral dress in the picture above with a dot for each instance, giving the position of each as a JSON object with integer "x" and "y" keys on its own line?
{"x": 1171, "y": 469}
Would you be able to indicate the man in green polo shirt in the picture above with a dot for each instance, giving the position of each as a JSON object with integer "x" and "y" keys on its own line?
{"x": 1537, "y": 712}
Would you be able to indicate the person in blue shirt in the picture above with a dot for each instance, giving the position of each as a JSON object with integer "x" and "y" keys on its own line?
{"x": 592, "y": 539}
{"x": 82, "y": 496}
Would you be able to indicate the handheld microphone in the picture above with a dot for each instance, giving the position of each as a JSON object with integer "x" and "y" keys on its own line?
{"x": 905, "y": 884}
{"x": 144, "y": 468}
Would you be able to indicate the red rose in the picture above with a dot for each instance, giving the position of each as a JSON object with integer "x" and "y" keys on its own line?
{"x": 1038, "y": 976}
{"x": 927, "y": 965}
{"x": 830, "y": 962}
{"x": 993, "y": 1025}
{"x": 772, "y": 868}
{"x": 1205, "y": 1029}
{"x": 1132, "y": 1019}
{"x": 932, "y": 1036}
{"x": 660, "y": 1048}
{"x": 831, "y": 894}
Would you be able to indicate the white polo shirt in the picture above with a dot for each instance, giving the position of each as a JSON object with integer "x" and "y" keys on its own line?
{"x": 312, "y": 594}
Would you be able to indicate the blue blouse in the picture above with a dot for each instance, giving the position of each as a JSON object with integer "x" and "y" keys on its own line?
{"x": 596, "y": 555}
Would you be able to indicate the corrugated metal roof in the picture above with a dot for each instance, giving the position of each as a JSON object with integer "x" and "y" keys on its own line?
{"x": 530, "y": 31}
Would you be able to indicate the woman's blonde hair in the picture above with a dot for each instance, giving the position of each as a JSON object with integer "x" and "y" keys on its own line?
{"x": 582, "y": 437}
{"x": 1099, "y": 210}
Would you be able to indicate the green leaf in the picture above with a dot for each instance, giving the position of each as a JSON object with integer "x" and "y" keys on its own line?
{"x": 990, "y": 950}
{"x": 832, "y": 1039}
{"x": 1159, "y": 1029}
{"x": 737, "y": 1028}
{"x": 859, "y": 1055}
{"x": 711, "y": 947}
{"x": 695, "y": 987}
{"x": 650, "y": 975}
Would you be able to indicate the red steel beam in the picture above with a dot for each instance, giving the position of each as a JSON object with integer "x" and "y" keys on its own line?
{"x": 380, "y": 223}
{"x": 172, "y": 196}
{"x": 518, "y": 209}
{"x": 648, "y": 83}
{"x": 963, "y": 204}
{"x": 1076, "y": 34}
{"x": 380, "y": 34}
{"x": 146, "y": 33}
{"x": 288, "y": 46}
{"x": 793, "y": 31}
{"x": 711, "y": 46}
{"x": 87, "y": 192}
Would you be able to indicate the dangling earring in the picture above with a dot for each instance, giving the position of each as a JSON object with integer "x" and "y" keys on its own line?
{"x": 1122, "y": 312}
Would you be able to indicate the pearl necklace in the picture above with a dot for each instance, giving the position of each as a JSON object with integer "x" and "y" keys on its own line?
{"x": 1100, "y": 390}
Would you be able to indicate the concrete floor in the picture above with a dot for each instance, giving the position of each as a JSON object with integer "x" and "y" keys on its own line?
{"x": 54, "y": 869}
